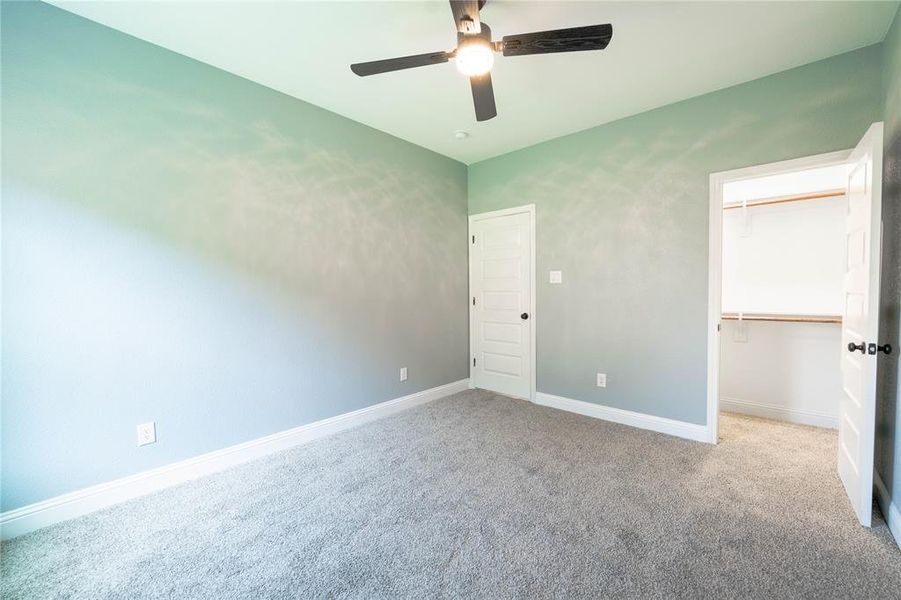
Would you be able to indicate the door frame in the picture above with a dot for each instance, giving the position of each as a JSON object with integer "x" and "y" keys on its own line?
{"x": 715, "y": 261}
{"x": 530, "y": 210}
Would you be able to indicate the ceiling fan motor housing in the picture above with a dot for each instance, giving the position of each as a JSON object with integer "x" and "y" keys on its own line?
{"x": 484, "y": 34}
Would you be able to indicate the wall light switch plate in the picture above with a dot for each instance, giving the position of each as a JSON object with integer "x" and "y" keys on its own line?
{"x": 146, "y": 433}
{"x": 403, "y": 373}
{"x": 556, "y": 276}
{"x": 602, "y": 380}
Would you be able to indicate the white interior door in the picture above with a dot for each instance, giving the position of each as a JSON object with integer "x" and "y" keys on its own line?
{"x": 860, "y": 325}
{"x": 501, "y": 272}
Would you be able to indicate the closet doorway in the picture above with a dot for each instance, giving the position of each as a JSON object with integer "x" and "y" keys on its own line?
{"x": 794, "y": 296}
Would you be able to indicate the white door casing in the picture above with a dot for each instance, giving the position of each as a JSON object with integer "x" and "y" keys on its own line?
{"x": 502, "y": 301}
{"x": 860, "y": 323}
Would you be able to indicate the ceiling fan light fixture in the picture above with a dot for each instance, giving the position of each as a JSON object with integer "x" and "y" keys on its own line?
{"x": 475, "y": 51}
{"x": 475, "y": 56}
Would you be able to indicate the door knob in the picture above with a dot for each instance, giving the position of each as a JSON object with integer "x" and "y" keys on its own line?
{"x": 873, "y": 348}
{"x": 524, "y": 316}
{"x": 852, "y": 347}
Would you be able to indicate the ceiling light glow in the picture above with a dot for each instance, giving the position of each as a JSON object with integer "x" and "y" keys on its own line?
{"x": 475, "y": 57}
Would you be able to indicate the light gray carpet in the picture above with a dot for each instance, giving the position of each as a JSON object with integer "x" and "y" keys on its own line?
{"x": 482, "y": 496}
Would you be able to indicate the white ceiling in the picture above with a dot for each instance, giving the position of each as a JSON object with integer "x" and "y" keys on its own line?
{"x": 661, "y": 52}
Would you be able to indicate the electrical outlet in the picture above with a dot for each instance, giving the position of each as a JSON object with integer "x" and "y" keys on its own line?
{"x": 146, "y": 433}
{"x": 555, "y": 276}
{"x": 602, "y": 380}
{"x": 403, "y": 373}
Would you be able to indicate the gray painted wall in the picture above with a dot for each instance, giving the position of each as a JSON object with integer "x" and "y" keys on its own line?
{"x": 888, "y": 419}
{"x": 184, "y": 246}
{"x": 622, "y": 211}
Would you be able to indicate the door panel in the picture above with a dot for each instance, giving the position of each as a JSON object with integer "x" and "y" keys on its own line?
{"x": 501, "y": 284}
{"x": 860, "y": 323}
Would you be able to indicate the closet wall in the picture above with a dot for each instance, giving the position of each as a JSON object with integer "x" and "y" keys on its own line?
{"x": 783, "y": 259}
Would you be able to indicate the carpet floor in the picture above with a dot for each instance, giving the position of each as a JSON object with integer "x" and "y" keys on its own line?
{"x": 478, "y": 495}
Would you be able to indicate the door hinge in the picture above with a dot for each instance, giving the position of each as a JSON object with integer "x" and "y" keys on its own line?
{"x": 473, "y": 361}
{"x": 473, "y": 300}
{"x": 473, "y": 239}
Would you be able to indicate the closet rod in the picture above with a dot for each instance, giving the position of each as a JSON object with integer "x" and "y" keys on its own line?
{"x": 784, "y": 199}
{"x": 837, "y": 319}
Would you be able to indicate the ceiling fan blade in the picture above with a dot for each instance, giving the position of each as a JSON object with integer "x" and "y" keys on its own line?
{"x": 396, "y": 64}
{"x": 574, "y": 39}
{"x": 483, "y": 97}
{"x": 466, "y": 16}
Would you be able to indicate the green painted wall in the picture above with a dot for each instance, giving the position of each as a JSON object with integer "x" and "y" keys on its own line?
{"x": 184, "y": 246}
{"x": 888, "y": 419}
{"x": 622, "y": 211}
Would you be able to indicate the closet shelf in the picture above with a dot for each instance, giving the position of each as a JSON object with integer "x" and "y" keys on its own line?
{"x": 785, "y": 199}
{"x": 836, "y": 319}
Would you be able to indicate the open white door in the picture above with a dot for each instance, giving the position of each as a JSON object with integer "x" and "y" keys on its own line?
{"x": 860, "y": 325}
{"x": 501, "y": 281}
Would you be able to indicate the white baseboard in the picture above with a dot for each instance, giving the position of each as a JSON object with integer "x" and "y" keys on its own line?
{"x": 625, "y": 417}
{"x": 74, "y": 504}
{"x": 889, "y": 509}
{"x": 779, "y": 413}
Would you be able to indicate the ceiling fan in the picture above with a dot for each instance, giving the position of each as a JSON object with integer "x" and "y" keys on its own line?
{"x": 475, "y": 51}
